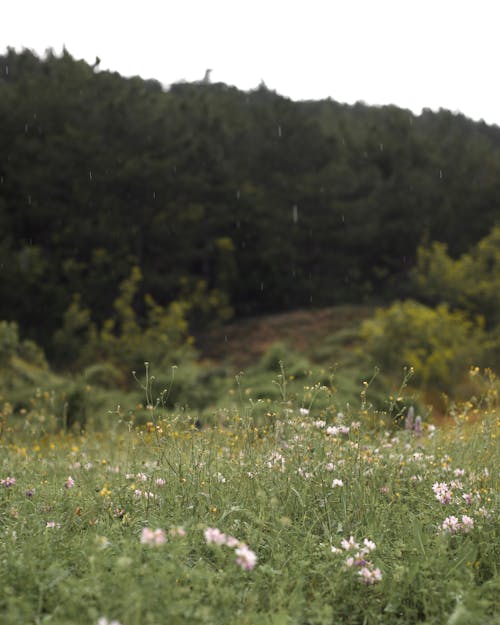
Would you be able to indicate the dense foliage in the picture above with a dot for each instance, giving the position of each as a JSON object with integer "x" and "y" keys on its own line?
{"x": 266, "y": 203}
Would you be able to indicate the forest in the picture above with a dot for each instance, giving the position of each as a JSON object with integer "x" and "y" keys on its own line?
{"x": 134, "y": 217}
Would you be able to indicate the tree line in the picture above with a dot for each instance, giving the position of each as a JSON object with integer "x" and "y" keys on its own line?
{"x": 234, "y": 202}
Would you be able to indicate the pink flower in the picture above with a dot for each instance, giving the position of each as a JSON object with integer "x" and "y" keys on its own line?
{"x": 369, "y": 545}
{"x": 451, "y": 524}
{"x": 442, "y": 492}
{"x": 467, "y": 497}
{"x": 70, "y": 482}
{"x": 177, "y": 531}
{"x": 245, "y": 557}
{"x": 337, "y": 482}
{"x": 370, "y": 576}
{"x": 160, "y": 481}
{"x": 8, "y": 481}
{"x": 350, "y": 544}
{"x": 213, "y": 535}
{"x": 467, "y": 523}
{"x": 153, "y": 538}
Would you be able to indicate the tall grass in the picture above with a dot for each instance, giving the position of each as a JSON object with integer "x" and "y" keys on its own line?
{"x": 300, "y": 487}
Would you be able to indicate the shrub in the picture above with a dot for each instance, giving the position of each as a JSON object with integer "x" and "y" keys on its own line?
{"x": 439, "y": 344}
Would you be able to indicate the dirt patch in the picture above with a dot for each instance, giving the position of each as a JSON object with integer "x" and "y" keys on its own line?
{"x": 244, "y": 341}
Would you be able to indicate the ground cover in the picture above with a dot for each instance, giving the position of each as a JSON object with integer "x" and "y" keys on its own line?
{"x": 300, "y": 516}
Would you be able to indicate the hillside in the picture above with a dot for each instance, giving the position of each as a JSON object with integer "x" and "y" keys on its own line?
{"x": 227, "y": 200}
{"x": 243, "y": 342}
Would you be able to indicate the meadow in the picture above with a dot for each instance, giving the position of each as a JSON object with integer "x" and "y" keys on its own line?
{"x": 283, "y": 512}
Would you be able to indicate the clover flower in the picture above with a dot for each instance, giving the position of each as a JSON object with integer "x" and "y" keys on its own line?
{"x": 370, "y": 576}
{"x": 70, "y": 482}
{"x": 442, "y": 492}
{"x": 213, "y": 535}
{"x": 245, "y": 557}
{"x": 153, "y": 538}
{"x": 452, "y": 525}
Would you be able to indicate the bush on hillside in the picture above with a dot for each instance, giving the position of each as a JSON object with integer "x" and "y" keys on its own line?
{"x": 439, "y": 344}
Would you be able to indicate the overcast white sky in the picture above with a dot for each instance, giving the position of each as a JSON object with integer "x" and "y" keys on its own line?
{"x": 422, "y": 53}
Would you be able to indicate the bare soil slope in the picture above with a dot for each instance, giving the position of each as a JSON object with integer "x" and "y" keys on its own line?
{"x": 244, "y": 341}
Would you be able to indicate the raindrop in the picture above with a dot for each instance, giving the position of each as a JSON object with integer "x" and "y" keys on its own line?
{"x": 25, "y": 128}
{"x": 29, "y": 200}
{"x": 279, "y": 131}
{"x": 154, "y": 195}
{"x": 90, "y": 175}
{"x": 1, "y": 179}
{"x": 6, "y": 70}
{"x": 343, "y": 219}
{"x": 238, "y": 194}
{"x": 311, "y": 299}
{"x": 381, "y": 146}
{"x": 295, "y": 213}
{"x": 225, "y": 338}
{"x": 440, "y": 173}
{"x": 261, "y": 286}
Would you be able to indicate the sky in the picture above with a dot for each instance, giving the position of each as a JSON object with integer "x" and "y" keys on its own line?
{"x": 415, "y": 54}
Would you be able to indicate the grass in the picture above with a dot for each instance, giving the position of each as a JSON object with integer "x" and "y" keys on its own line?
{"x": 71, "y": 550}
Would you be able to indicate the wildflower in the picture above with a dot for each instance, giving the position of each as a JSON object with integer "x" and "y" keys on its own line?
{"x": 304, "y": 412}
{"x": 467, "y": 497}
{"x": 8, "y": 482}
{"x": 333, "y": 430}
{"x": 370, "y": 576}
{"x": 29, "y": 493}
{"x": 467, "y": 523}
{"x": 442, "y": 492}
{"x": 142, "y": 477}
{"x": 336, "y": 482}
{"x": 319, "y": 424}
{"x": 153, "y": 538}
{"x": 160, "y": 481}
{"x": 335, "y": 549}
{"x": 245, "y": 557}
{"x": 369, "y": 545}
{"x": 451, "y": 524}
{"x": 51, "y": 524}
{"x": 459, "y": 472}
{"x": 344, "y": 429}
{"x": 70, "y": 482}
{"x": 350, "y": 544}
{"x": 177, "y": 531}
{"x": 231, "y": 541}
{"x": 330, "y": 466}
{"x": 213, "y": 535}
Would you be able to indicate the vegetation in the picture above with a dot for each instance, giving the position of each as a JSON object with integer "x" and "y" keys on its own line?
{"x": 271, "y": 204}
{"x": 309, "y": 516}
{"x": 275, "y": 470}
